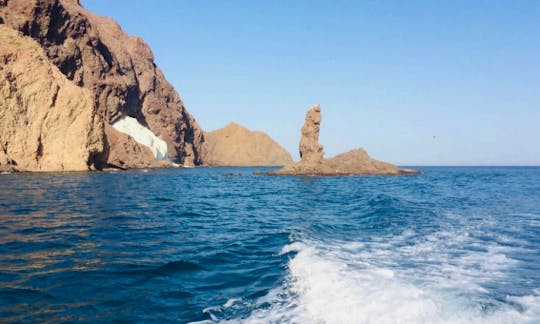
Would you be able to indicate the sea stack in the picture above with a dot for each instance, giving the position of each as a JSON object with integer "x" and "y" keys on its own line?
{"x": 355, "y": 162}
{"x": 310, "y": 149}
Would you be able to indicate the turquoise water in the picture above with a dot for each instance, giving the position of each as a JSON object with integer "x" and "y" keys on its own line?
{"x": 452, "y": 245}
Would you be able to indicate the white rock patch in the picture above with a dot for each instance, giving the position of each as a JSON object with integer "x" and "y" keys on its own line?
{"x": 144, "y": 136}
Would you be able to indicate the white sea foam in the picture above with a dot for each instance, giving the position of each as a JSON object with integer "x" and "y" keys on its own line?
{"x": 406, "y": 278}
{"x": 144, "y": 136}
{"x": 325, "y": 287}
{"x": 446, "y": 276}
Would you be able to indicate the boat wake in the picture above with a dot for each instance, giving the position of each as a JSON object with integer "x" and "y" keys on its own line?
{"x": 448, "y": 276}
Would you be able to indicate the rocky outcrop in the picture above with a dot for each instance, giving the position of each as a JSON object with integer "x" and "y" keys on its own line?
{"x": 312, "y": 157}
{"x": 235, "y": 145}
{"x": 310, "y": 149}
{"x": 47, "y": 123}
{"x": 118, "y": 70}
{"x": 126, "y": 153}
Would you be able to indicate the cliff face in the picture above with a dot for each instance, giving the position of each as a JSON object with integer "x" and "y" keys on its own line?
{"x": 235, "y": 145}
{"x": 118, "y": 70}
{"x": 47, "y": 123}
{"x": 313, "y": 163}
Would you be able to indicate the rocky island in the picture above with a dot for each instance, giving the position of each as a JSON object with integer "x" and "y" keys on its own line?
{"x": 350, "y": 163}
{"x": 235, "y": 145}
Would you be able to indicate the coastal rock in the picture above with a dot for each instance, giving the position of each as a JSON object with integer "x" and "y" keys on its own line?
{"x": 47, "y": 123}
{"x": 350, "y": 163}
{"x": 310, "y": 149}
{"x": 235, "y": 145}
{"x": 129, "y": 154}
{"x": 119, "y": 71}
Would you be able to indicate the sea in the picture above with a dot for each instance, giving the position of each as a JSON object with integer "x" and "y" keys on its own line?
{"x": 225, "y": 245}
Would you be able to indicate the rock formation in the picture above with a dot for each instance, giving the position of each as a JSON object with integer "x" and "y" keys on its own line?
{"x": 313, "y": 163}
{"x": 117, "y": 70}
{"x": 235, "y": 145}
{"x": 126, "y": 153}
{"x": 310, "y": 149}
{"x": 47, "y": 123}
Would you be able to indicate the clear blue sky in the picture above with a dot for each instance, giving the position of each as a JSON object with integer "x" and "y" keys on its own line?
{"x": 413, "y": 82}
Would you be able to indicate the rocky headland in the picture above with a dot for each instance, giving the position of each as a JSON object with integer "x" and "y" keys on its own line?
{"x": 235, "y": 145}
{"x": 355, "y": 162}
{"x": 79, "y": 94}
{"x": 68, "y": 77}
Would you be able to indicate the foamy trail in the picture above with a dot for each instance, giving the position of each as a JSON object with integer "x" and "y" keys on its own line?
{"x": 327, "y": 287}
{"x": 443, "y": 277}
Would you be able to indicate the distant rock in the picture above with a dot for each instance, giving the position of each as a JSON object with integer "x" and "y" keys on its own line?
{"x": 116, "y": 69}
{"x": 47, "y": 123}
{"x": 235, "y": 145}
{"x": 310, "y": 149}
{"x": 312, "y": 156}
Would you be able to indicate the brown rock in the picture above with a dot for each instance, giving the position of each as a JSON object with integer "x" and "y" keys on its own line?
{"x": 359, "y": 162}
{"x": 118, "y": 69}
{"x": 310, "y": 149}
{"x": 349, "y": 163}
{"x": 236, "y": 145}
{"x": 47, "y": 123}
{"x": 129, "y": 154}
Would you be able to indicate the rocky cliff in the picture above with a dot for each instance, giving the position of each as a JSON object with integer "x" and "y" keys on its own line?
{"x": 235, "y": 145}
{"x": 47, "y": 123}
{"x": 313, "y": 162}
{"x": 116, "y": 69}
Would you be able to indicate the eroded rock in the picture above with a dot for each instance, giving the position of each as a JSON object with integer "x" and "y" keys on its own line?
{"x": 47, "y": 123}
{"x": 310, "y": 149}
{"x": 312, "y": 156}
{"x": 130, "y": 154}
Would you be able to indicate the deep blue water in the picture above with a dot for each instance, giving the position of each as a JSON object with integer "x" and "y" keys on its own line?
{"x": 452, "y": 245}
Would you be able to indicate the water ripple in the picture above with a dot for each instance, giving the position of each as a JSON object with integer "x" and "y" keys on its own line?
{"x": 179, "y": 245}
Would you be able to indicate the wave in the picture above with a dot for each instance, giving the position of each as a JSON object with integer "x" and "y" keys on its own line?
{"x": 449, "y": 276}
{"x": 324, "y": 288}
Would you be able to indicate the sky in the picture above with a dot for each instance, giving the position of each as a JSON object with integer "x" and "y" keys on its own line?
{"x": 412, "y": 82}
